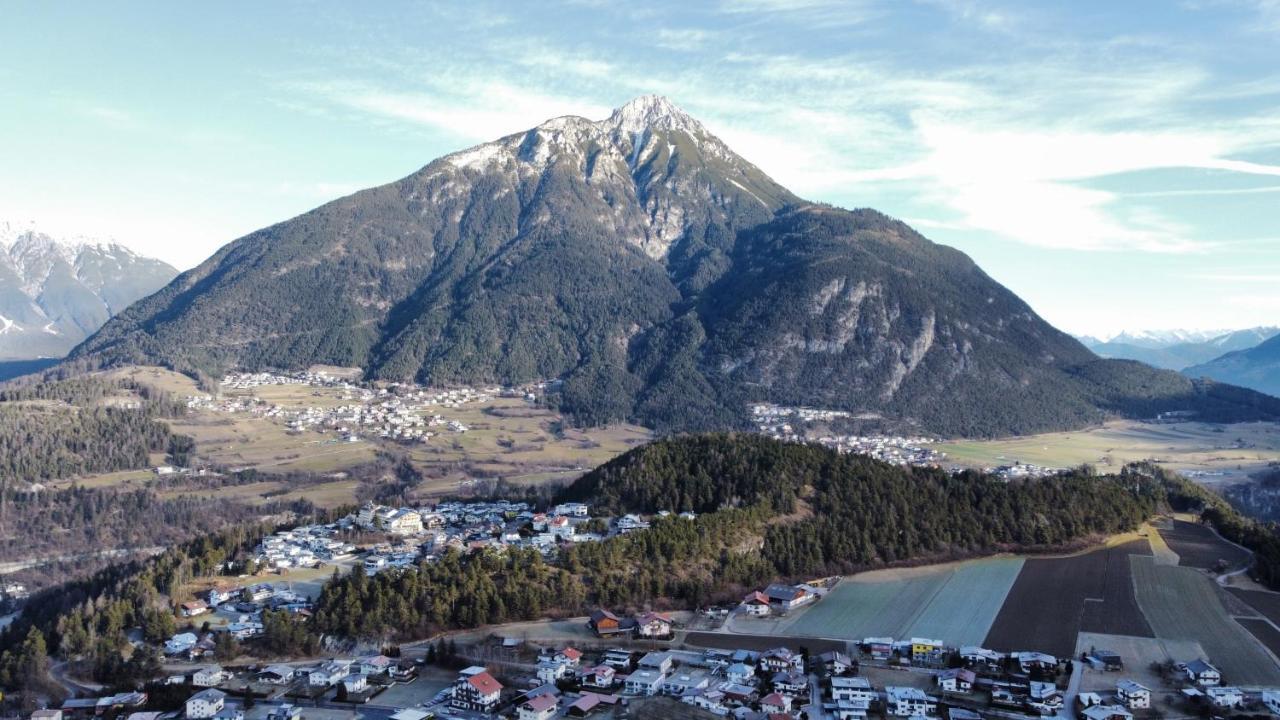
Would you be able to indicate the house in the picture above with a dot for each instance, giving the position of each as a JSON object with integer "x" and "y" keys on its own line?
{"x": 1105, "y": 712}
{"x": 600, "y": 676}
{"x": 775, "y": 702}
{"x": 1133, "y": 695}
{"x": 956, "y": 713}
{"x": 1028, "y": 661}
{"x": 569, "y": 656}
{"x": 550, "y": 671}
{"x": 540, "y": 707}
{"x": 1224, "y": 697}
{"x": 756, "y": 604}
{"x": 210, "y": 676}
{"x": 1044, "y": 696}
{"x": 226, "y": 713}
{"x": 205, "y": 704}
{"x": 926, "y": 652}
{"x": 194, "y": 608}
{"x": 710, "y": 700}
{"x": 355, "y": 683}
{"x": 653, "y": 625}
{"x": 740, "y": 673}
{"x": 848, "y": 709}
{"x": 957, "y": 680}
{"x": 788, "y": 597}
{"x": 277, "y": 674}
{"x": 589, "y": 702}
{"x": 681, "y": 682}
{"x": 1270, "y": 698}
{"x": 880, "y": 648}
{"x": 790, "y": 682}
{"x": 605, "y": 623}
{"x": 908, "y": 702}
{"x": 411, "y": 714}
{"x": 852, "y": 689}
{"x": 834, "y": 662}
{"x": 644, "y": 682}
{"x": 180, "y": 643}
{"x": 981, "y": 658}
{"x": 1203, "y": 674}
{"x": 402, "y": 522}
{"x": 660, "y": 661}
{"x": 376, "y": 665}
{"x": 735, "y": 694}
{"x": 617, "y": 659}
{"x": 329, "y": 674}
{"x": 475, "y": 689}
{"x": 781, "y": 659}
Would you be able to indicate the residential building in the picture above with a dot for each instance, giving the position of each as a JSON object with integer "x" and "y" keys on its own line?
{"x": 1203, "y": 674}
{"x": 956, "y": 680}
{"x": 205, "y": 704}
{"x": 854, "y": 689}
{"x": 908, "y": 702}
{"x": 684, "y": 680}
{"x": 210, "y": 676}
{"x": 1133, "y": 695}
{"x": 775, "y": 702}
{"x": 740, "y": 673}
{"x": 1105, "y": 712}
{"x": 644, "y": 682}
{"x": 540, "y": 707}
{"x": 475, "y": 689}
{"x": 653, "y": 625}
{"x": 600, "y": 676}
{"x": 790, "y": 682}
{"x": 926, "y": 652}
{"x": 1224, "y": 697}
{"x": 781, "y": 659}
{"x": 1270, "y": 698}
{"x": 355, "y": 683}
{"x": 756, "y": 604}
{"x": 660, "y": 661}
{"x": 194, "y": 608}
{"x": 834, "y": 662}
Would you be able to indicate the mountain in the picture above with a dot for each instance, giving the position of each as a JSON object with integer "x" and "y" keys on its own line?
{"x": 1175, "y": 350}
{"x": 661, "y": 276}
{"x": 1257, "y": 368}
{"x": 55, "y": 293}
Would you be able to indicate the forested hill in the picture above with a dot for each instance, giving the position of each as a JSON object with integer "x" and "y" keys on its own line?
{"x": 664, "y": 278}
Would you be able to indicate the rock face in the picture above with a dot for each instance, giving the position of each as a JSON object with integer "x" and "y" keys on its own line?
{"x": 53, "y": 294}
{"x": 664, "y": 278}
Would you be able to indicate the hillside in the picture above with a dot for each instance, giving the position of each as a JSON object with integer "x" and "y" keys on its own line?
{"x": 1179, "y": 352}
{"x": 54, "y": 293}
{"x": 664, "y": 278}
{"x": 1257, "y": 368}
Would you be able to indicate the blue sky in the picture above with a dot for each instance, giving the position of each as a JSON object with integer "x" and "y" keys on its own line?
{"x": 1117, "y": 164}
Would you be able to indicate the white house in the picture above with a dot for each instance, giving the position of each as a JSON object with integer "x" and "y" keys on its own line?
{"x": 1106, "y": 712}
{"x": 775, "y": 703}
{"x": 908, "y": 702}
{"x": 211, "y": 676}
{"x": 956, "y": 680}
{"x": 1203, "y": 674}
{"x": 329, "y": 674}
{"x": 1225, "y": 697}
{"x": 355, "y": 683}
{"x": 600, "y": 676}
{"x": 1132, "y": 695}
{"x": 852, "y": 689}
{"x": 756, "y": 604}
{"x": 1270, "y": 698}
{"x": 475, "y": 689}
{"x": 550, "y": 671}
{"x": 205, "y": 704}
{"x": 644, "y": 682}
{"x": 740, "y": 673}
{"x": 277, "y": 674}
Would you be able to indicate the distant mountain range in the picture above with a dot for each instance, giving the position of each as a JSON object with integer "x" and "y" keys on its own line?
{"x": 55, "y": 293}
{"x": 661, "y": 276}
{"x": 1256, "y": 367}
{"x": 1178, "y": 349}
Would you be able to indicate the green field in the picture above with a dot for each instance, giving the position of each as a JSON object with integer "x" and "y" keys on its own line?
{"x": 956, "y": 603}
{"x": 1183, "y": 603}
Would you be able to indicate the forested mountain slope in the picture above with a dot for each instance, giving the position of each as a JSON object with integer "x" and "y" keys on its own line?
{"x": 664, "y": 278}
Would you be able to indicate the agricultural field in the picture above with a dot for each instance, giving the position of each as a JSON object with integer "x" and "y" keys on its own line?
{"x": 506, "y": 438}
{"x": 1054, "y": 599}
{"x": 1211, "y": 454}
{"x": 1198, "y": 546}
{"x": 1183, "y": 603}
{"x": 956, "y": 602}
